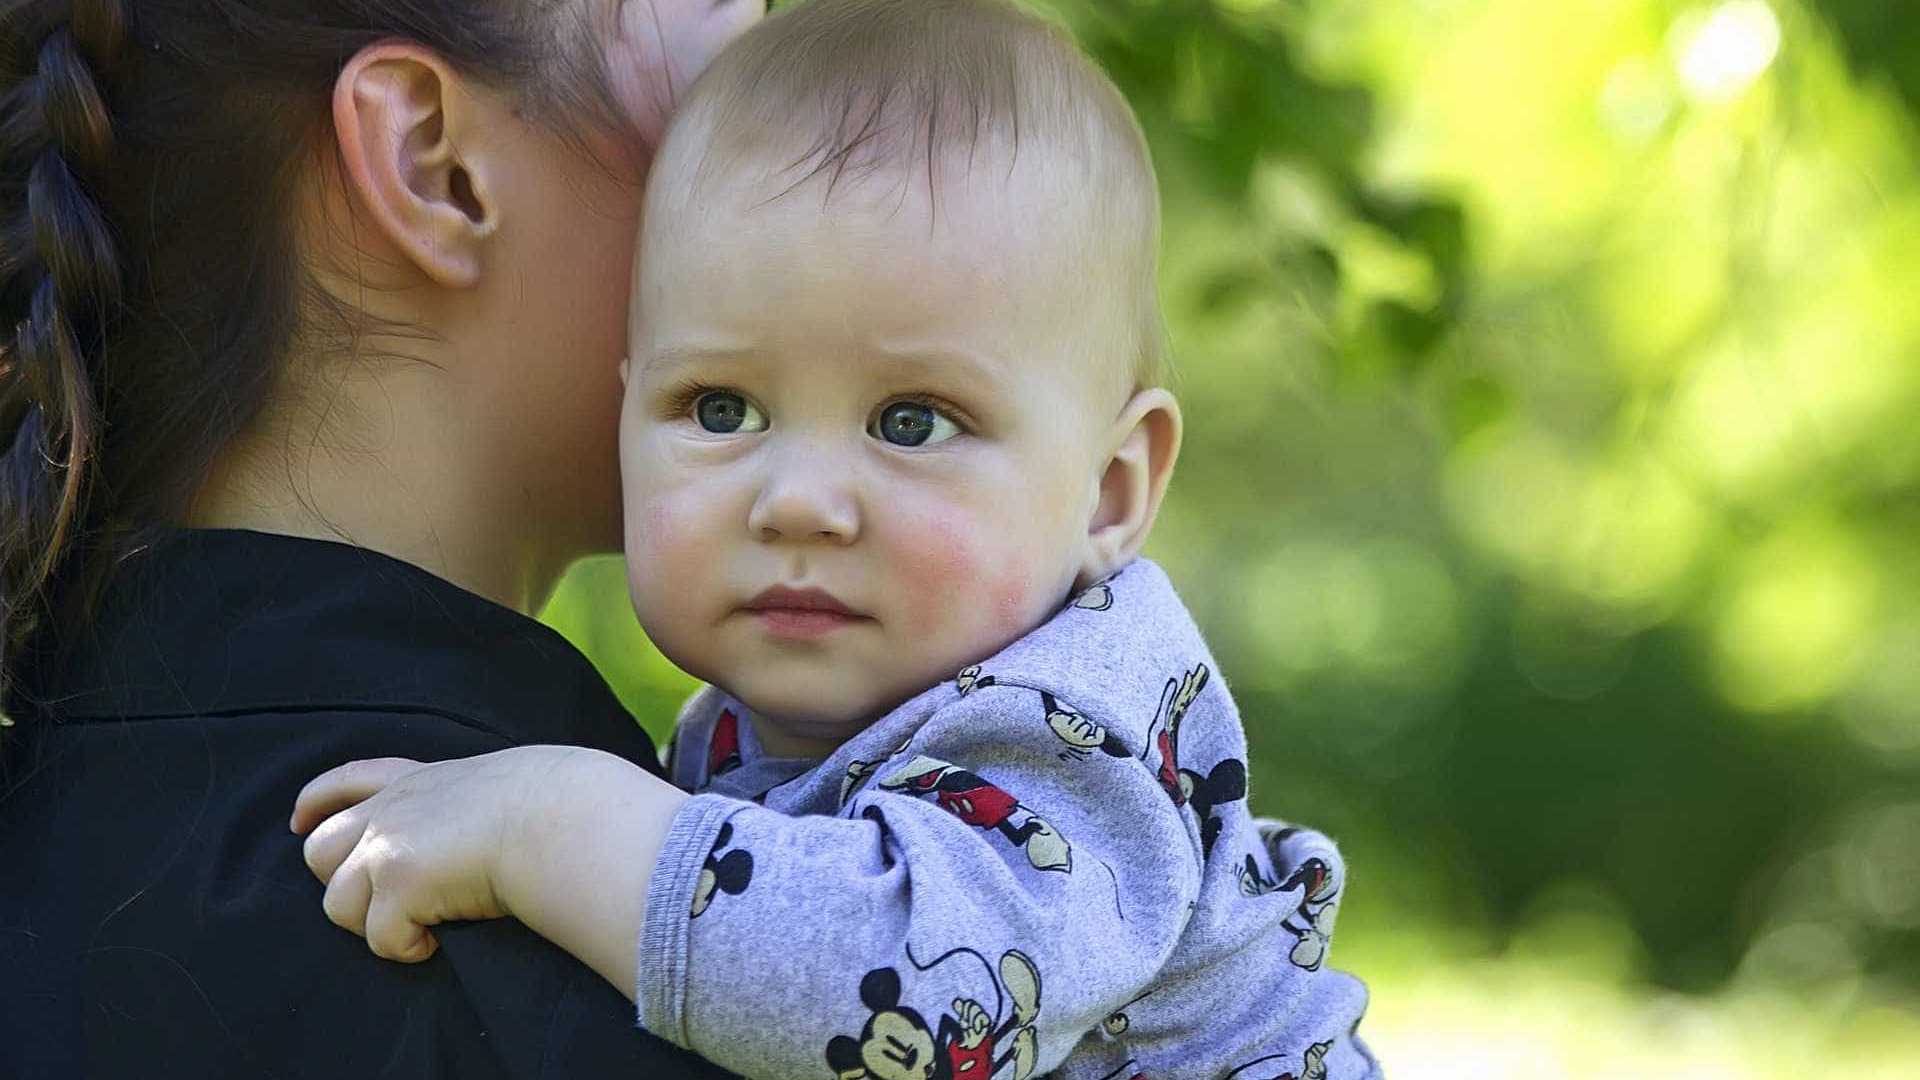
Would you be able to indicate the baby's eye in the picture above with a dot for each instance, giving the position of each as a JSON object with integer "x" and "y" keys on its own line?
{"x": 724, "y": 412}
{"x": 912, "y": 423}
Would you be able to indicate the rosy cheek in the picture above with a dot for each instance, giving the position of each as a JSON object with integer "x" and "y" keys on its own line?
{"x": 1012, "y": 594}
{"x": 959, "y": 572}
{"x": 941, "y": 562}
{"x": 665, "y": 543}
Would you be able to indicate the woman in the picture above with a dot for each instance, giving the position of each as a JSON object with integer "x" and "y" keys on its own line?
{"x": 307, "y": 396}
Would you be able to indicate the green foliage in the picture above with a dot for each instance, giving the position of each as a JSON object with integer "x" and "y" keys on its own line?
{"x": 1881, "y": 40}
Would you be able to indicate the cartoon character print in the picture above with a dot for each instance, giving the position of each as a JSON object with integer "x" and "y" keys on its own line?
{"x": 1175, "y": 700}
{"x": 1313, "y": 1066}
{"x": 968, "y": 1043}
{"x": 1226, "y": 782}
{"x": 723, "y": 753}
{"x": 1311, "y": 923}
{"x": 982, "y": 805}
{"x": 858, "y": 771}
{"x": 1081, "y": 733}
{"x": 1095, "y": 598}
{"x": 1253, "y": 883}
{"x": 1117, "y": 1022}
{"x": 729, "y": 873}
{"x": 971, "y": 679}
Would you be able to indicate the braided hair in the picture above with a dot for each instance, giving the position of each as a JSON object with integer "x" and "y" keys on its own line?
{"x": 59, "y": 269}
{"x": 150, "y": 277}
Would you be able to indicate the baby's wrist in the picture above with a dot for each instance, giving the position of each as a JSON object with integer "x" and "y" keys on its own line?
{"x": 550, "y": 806}
{"x": 576, "y": 854}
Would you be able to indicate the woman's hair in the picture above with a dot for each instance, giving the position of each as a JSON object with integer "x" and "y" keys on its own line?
{"x": 150, "y": 280}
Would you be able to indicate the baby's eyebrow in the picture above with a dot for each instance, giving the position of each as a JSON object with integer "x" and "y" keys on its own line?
{"x": 916, "y": 358}
{"x": 668, "y": 357}
{"x": 940, "y": 358}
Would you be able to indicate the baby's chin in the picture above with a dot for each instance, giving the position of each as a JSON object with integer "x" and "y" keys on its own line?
{"x": 839, "y": 716}
{"x": 830, "y": 711}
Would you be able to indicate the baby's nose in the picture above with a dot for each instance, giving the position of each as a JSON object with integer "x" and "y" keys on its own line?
{"x": 806, "y": 502}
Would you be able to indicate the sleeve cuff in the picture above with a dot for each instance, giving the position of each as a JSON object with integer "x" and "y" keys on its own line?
{"x": 660, "y": 989}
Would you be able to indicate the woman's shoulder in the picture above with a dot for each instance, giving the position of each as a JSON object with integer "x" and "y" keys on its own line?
{"x": 157, "y": 898}
{"x": 153, "y": 894}
{"x": 230, "y": 623}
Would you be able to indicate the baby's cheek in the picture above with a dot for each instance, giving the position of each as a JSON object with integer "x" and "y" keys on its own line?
{"x": 650, "y": 533}
{"x": 969, "y": 580}
{"x": 941, "y": 563}
{"x": 1012, "y": 597}
{"x": 664, "y": 546}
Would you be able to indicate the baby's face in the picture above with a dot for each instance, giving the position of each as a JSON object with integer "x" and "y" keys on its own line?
{"x": 861, "y": 443}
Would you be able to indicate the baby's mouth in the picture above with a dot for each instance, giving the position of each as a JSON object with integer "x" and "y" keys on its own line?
{"x": 801, "y": 613}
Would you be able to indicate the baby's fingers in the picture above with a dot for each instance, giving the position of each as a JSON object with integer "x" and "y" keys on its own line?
{"x": 383, "y": 915}
{"x": 329, "y": 845}
{"x": 343, "y": 786}
{"x": 393, "y": 933}
{"x": 348, "y": 895}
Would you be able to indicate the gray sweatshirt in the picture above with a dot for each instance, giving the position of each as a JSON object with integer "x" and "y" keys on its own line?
{"x": 1045, "y": 865}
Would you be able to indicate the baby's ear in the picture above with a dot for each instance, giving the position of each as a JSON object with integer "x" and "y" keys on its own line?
{"x": 1143, "y": 444}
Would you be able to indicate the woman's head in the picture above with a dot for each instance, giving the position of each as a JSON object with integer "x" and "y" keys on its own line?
{"x": 247, "y": 238}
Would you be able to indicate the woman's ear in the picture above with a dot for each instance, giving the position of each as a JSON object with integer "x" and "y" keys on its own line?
{"x": 400, "y": 118}
{"x": 644, "y": 80}
{"x": 1145, "y": 441}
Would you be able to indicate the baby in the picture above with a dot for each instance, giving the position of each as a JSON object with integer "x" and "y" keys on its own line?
{"x": 969, "y": 795}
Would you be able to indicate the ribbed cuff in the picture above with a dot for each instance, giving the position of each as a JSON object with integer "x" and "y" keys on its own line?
{"x": 660, "y": 988}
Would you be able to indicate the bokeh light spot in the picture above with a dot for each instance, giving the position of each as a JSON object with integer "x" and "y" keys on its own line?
{"x": 1793, "y": 621}
{"x": 1383, "y": 613}
{"x": 1723, "y": 54}
{"x": 1882, "y": 862}
{"x": 1637, "y": 100}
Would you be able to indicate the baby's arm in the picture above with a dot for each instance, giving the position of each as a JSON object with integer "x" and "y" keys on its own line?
{"x": 562, "y": 838}
{"x": 985, "y": 898}
{"x": 991, "y": 918}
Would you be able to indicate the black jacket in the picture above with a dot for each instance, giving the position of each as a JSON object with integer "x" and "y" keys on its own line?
{"x": 156, "y": 919}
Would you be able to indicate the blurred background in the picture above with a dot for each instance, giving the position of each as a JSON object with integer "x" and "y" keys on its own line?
{"x": 1552, "y": 500}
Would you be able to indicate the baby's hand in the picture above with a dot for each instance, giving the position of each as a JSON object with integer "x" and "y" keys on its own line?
{"x": 403, "y": 846}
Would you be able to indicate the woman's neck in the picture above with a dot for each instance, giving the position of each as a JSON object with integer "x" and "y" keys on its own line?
{"x": 386, "y": 465}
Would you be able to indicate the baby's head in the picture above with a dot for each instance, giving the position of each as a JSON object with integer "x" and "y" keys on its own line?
{"x": 895, "y": 342}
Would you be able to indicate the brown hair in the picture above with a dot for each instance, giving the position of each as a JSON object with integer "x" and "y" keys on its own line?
{"x": 150, "y": 281}
{"x": 858, "y": 88}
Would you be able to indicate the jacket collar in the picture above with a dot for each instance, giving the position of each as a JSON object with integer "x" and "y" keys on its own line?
{"x": 211, "y": 622}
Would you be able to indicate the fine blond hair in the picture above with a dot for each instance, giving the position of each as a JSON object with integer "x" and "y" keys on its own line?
{"x": 845, "y": 90}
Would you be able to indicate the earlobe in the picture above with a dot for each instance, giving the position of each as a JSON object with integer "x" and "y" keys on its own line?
{"x": 398, "y": 118}
{"x": 1146, "y": 442}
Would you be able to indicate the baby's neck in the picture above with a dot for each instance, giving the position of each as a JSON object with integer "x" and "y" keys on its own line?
{"x": 778, "y": 743}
